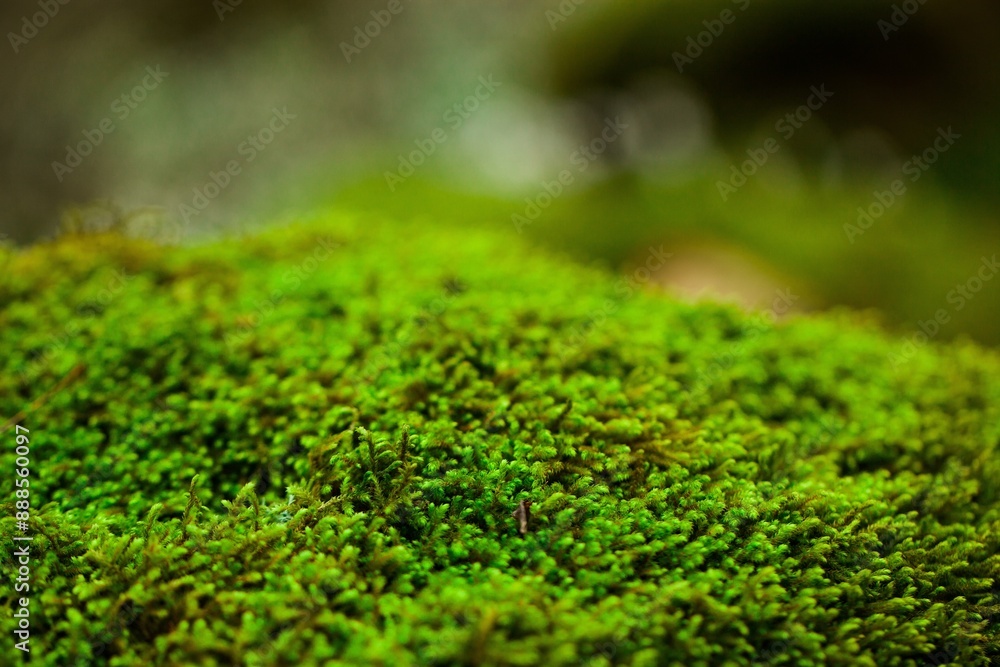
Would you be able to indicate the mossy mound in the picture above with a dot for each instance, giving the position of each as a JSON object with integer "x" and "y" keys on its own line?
{"x": 306, "y": 447}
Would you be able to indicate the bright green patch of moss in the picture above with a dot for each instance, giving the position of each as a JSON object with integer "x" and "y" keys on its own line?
{"x": 306, "y": 448}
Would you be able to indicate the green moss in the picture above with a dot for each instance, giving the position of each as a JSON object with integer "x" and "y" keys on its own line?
{"x": 306, "y": 448}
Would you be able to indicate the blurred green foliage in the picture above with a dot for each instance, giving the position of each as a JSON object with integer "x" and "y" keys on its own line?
{"x": 689, "y": 125}
{"x": 904, "y": 265}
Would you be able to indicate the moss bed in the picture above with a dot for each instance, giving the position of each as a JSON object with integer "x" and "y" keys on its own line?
{"x": 307, "y": 447}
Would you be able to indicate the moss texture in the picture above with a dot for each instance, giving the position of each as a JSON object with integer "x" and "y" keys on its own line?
{"x": 306, "y": 447}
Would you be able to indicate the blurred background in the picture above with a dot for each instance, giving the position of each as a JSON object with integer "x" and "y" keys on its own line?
{"x": 846, "y": 151}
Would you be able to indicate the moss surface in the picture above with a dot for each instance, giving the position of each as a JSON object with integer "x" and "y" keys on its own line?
{"x": 306, "y": 448}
